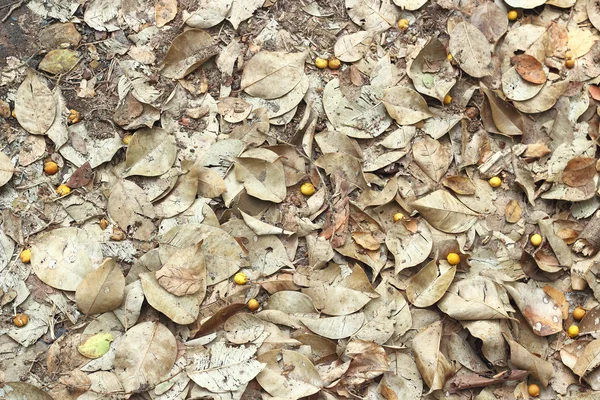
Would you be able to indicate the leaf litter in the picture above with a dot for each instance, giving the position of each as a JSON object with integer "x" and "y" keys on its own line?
{"x": 244, "y": 224}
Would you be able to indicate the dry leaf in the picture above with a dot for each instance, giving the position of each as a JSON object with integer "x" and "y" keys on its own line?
{"x": 288, "y": 374}
{"x": 459, "y": 184}
{"x": 529, "y": 68}
{"x": 470, "y": 48}
{"x": 428, "y": 285}
{"x": 352, "y": 47}
{"x": 187, "y": 52}
{"x": 242, "y": 10}
{"x": 102, "y": 289}
{"x": 432, "y": 364}
{"x": 579, "y": 171}
{"x": 184, "y": 273}
{"x": 433, "y": 157}
{"x": 442, "y": 211}
{"x": 490, "y": 19}
{"x": 405, "y": 105}
{"x": 431, "y": 72}
{"x": 269, "y": 75}
{"x": 151, "y": 152}
{"x": 375, "y": 16}
{"x": 539, "y": 309}
{"x": 165, "y": 12}
{"x": 540, "y": 369}
{"x": 512, "y": 212}
{"x": 6, "y": 169}
{"x": 475, "y": 299}
{"x": 35, "y": 107}
{"x": 208, "y": 14}
{"x": 180, "y": 309}
{"x": 335, "y": 327}
{"x": 155, "y": 356}
{"x": 129, "y": 310}
{"x": 409, "y": 248}
{"x": 262, "y": 174}
{"x": 589, "y": 359}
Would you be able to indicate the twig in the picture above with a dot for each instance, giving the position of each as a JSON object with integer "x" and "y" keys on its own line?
{"x": 12, "y": 8}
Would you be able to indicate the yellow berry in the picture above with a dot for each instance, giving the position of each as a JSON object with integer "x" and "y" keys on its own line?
{"x": 334, "y": 63}
{"x": 578, "y": 313}
{"x": 74, "y": 116}
{"x": 536, "y": 239}
{"x": 103, "y": 223}
{"x": 447, "y": 99}
{"x": 453, "y": 259}
{"x": 240, "y": 278}
{"x": 253, "y": 305}
{"x": 533, "y": 390}
{"x": 570, "y": 63}
{"x": 63, "y": 190}
{"x": 512, "y": 15}
{"x": 403, "y": 24}
{"x": 573, "y": 331}
{"x": 495, "y": 182}
{"x": 50, "y": 167}
{"x": 568, "y": 55}
{"x": 307, "y": 189}
{"x": 321, "y": 63}
{"x": 127, "y": 139}
{"x": 20, "y": 320}
{"x": 398, "y": 217}
{"x": 451, "y": 59}
{"x": 25, "y": 256}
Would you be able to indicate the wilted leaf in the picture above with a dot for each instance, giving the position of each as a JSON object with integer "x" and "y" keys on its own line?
{"x": 130, "y": 208}
{"x": 409, "y": 247}
{"x": 184, "y": 273}
{"x": 35, "y": 107}
{"x": 63, "y": 257}
{"x": 364, "y": 117}
{"x": 335, "y": 327}
{"x": 129, "y": 310}
{"x": 540, "y": 369}
{"x": 529, "y": 68}
{"x": 243, "y": 328}
{"x": 6, "y": 169}
{"x": 431, "y": 72}
{"x": 349, "y": 165}
{"x": 491, "y": 20}
{"x": 470, "y": 48}
{"x": 269, "y": 75}
{"x": 539, "y": 309}
{"x": 242, "y": 10}
{"x": 433, "y": 157}
{"x": 210, "y": 183}
{"x": 288, "y": 374}
{"x": 545, "y": 99}
{"x": 428, "y": 285}
{"x": 261, "y": 171}
{"x": 291, "y": 303}
{"x": 403, "y": 381}
{"x": 512, "y": 212}
{"x": 222, "y": 368}
{"x": 589, "y": 359}
{"x": 165, "y": 11}
{"x": 151, "y": 152}
{"x": 442, "y": 211}
{"x": 102, "y": 289}
{"x": 352, "y": 47}
{"x": 22, "y": 390}
{"x": 506, "y": 119}
{"x": 432, "y": 364}
{"x": 96, "y": 346}
{"x": 405, "y": 105}
{"x": 59, "y": 61}
{"x": 579, "y": 171}
{"x": 208, "y": 14}
{"x": 475, "y": 299}
{"x": 101, "y": 15}
{"x": 459, "y": 184}
{"x": 156, "y": 351}
{"x": 187, "y": 52}
{"x": 375, "y": 16}
{"x": 180, "y": 309}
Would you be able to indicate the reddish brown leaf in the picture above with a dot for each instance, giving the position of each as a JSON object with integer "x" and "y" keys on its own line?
{"x": 595, "y": 92}
{"x": 529, "y": 68}
{"x": 459, "y": 184}
{"x": 81, "y": 177}
{"x": 579, "y": 171}
{"x": 512, "y": 212}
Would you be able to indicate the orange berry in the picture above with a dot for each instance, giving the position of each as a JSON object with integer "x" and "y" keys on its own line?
{"x": 50, "y": 167}
{"x": 20, "y": 320}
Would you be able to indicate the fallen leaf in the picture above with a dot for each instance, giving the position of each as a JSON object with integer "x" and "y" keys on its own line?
{"x": 208, "y": 14}
{"x": 96, "y": 346}
{"x": 59, "y": 61}
{"x": 471, "y": 50}
{"x": 184, "y": 273}
{"x": 352, "y": 47}
{"x": 512, "y": 212}
{"x": 428, "y": 285}
{"x": 269, "y": 75}
{"x": 165, "y": 12}
{"x": 405, "y": 105}
{"x": 129, "y": 310}
{"x": 459, "y": 184}
{"x": 187, "y": 52}
{"x": 540, "y": 369}
{"x": 151, "y": 152}
{"x": 529, "y": 68}
{"x": 180, "y": 309}
{"x": 475, "y": 299}
{"x": 157, "y": 351}
{"x": 242, "y": 10}
{"x": 444, "y": 212}
{"x": 22, "y": 390}
{"x": 579, "y": 171}
{"x": 35, "y": 107}
{"x": 409, "y": 248}
{"x": 6, "y": 169}
{"x": 490, "y": 19}
{"x": 432, "y": 364}
{"x": 335, "y": 327}
{"x": 375, "y": 16}
{"x": 433, "y": 157}
{"x": 431, "y": 72}
{"x": 288, "y": 374}
{"x": 102, "y": 289}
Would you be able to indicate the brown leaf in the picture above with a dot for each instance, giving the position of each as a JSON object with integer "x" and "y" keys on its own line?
{"x": 81, "y": 177}
{"x": 459, "y": 184}
{"x": 184, "y": 273}
{"x": 579, "y": 171}
{"x": 165, "y": 12}
{"x": 102, "y": 289}
{"x": 512, "y": 212}
{"x": 536, "y": 150}
{"x": 529, "y": 68}
{"x": 594, "y": 92}
{"x": 356, "y": 77}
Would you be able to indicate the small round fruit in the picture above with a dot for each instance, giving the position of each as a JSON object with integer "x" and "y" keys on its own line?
{"x": 573, "y": 331}
{"x": 403, "y": 24}
{"x": 512, "y": 15}
{"x": 103, "y": 223}
{"x": 578, "y": 313}
{"x": 398, "y": 217}
{"x": 533, "y": 390}
{"x": 495, "y": 182}
{"x": 253, "y": 304}
{"x": 74, "y": 117}
{"x": 50, "y": 167}
{"x": 453, "y": 259}
{"x": 568, "y": 55}
{"x": 321, "y": 63}
{"x": 447, "y": 99}
{"x": 570, "y": 63}
{"x": 20, "y": 320}
{"x": 334, "y": 63}
{"x": 451, "y": 59}
{"x": 63, "y": 190}
{"x": 307, "y": 189}
{"x": 536, "y": 239}
{"x": 240, "y": 278}
{"x": 25, "y": 256}
{"x": 127, "y": 139}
